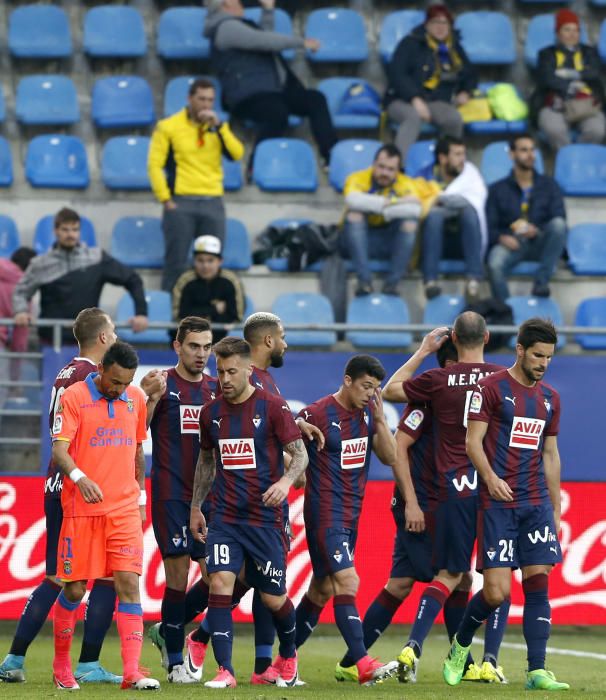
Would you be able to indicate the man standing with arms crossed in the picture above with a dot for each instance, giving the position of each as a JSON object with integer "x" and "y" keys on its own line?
{"x": 513, "y": 423}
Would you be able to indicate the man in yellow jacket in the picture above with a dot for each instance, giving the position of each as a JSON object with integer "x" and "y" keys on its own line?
{"x": 186, "y": 174}
{"x": 383, "y": 211}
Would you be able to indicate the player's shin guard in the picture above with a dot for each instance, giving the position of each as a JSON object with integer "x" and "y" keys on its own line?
{"x": 537, "y": 619}
{"x": 196, "y": 600}
{"x": 307, "y": 615}
{"x": 34, "y": 615}
{"x": 221, "y": 629}
{"x": 64, "y": 625}
{"x": 350, "y": 625}
{"x": 173, "y": 611}
{"x": 285, "y": 622}
{"x": 129, "y": 620}
{"x": 495, "y": 630}
{"x": 476, "y": 612}
{"x": 97, "y": 619}
{"x": 433, "y": 599}
{"x": 265, "y": 633}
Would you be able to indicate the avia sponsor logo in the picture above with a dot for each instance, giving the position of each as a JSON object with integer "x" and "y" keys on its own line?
{"x": 190, "y": 419}
{"x": 464, "y": 482}
{"x": 238, "y": 453}
{"x": 545, "y": 536}
{"x": 353, "y": 453}
{"x": 526, "y": 433}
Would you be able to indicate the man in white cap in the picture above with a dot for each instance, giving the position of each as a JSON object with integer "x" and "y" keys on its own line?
{"x": 207, "y": 290}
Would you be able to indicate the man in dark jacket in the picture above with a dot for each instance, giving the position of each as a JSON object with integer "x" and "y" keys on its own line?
{"x": 429, "y": 76}
{"x": 526, "y": 221}
{"x": 258, "y": 85}
{"x": 71, "y": 277}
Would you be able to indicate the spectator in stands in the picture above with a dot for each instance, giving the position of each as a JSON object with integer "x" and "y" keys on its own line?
{"x": 207, "y": 290}
{"x": 570, "y": 89}
{"x": 258, "y": 84}
{"x": 429, "y": 76}
{"x": 191, "y": 144}
{"x": 455, "y": 226}
{"x": 526, "y": 221}
{"x": 70, "y": 277}
{"x": 383, "y": 210}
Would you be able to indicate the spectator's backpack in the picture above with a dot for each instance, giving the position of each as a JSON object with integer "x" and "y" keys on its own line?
{"x": 301, "y": 245}
{"x": 496, "y": 313}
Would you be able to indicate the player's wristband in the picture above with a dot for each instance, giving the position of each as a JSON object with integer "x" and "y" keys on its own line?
{"x": 76, "y": 474}
{"x": 143, "y": 497}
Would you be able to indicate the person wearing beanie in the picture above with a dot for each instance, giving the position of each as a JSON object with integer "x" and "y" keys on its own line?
{"x": 570, "y": 89}
{"x": 429, "y": 76}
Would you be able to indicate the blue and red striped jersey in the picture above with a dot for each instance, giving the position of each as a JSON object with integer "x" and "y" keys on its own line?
{"x": 448, "y": 390}
{"x": 262, "y": 379}
{"x": 337, "y": 474}
{"x": 519, "y": 418}
{"x": 248, "y": 439}
{"x": 175, "y": 436}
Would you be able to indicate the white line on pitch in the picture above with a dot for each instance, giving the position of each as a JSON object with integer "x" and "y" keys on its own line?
{"x": 554, "y": 650}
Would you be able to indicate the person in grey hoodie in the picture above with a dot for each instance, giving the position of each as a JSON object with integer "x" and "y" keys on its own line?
{"x": 257, "y": 83}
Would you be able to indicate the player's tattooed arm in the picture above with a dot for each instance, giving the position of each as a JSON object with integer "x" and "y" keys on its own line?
{"x": 203, "y": 481}
{"x": 497, "y": 488}
{"x": 299, "y": 460}
{"x": 140, "y": 477}
{"x": 551, "y": 464}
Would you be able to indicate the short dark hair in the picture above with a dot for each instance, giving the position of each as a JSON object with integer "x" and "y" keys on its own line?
{"x": 22, "y": 257}
{"x": 88, "y": 324}
{"x": 201, "y": 84}
{"x": 191, "y": 324}
{"x": 444, "y": 143}
{"x": 390, "y": 151}
{"x": 518, "y": 137}
{"x": 122, "y": 354}
{"x": 257, "y": 325}
{"x": 66, "y": 216}
{"x": 447, "y": 351}
{"x": 360, "y": 365}
{"x": 470, "y": 329}
{"x": 537, "y": 330}
{"x": 230, "y": 346}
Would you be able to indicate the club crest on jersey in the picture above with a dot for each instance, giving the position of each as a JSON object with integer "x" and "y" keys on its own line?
{"x": 177, "y": 540}
{"x": 475, "y": 405}
{"x": 338, "y": 556}
{"x": 238, "y": 453}
{"x": 414, "y": 419}
{"x": 366, "y": 418}
{"x": 130, "y": 405}
{"x": 67, "y": 567}
{"x": 547, "y": 405}
{"x": 526, "y": 433}
{"x": 353, "y": 453}
{"x": 189, "y": 417}
{"x": 491, "y": 554}
{"x": 58, "y": 425}
{"x": 257, "y": 421}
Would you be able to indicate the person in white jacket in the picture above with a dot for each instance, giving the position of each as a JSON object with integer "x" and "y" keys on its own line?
{"x": 455, "y": 227}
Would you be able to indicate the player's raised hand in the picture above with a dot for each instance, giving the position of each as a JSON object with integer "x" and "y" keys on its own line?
{"x": 91, "y": 493}
{"x": 434, "y": 340}
{"x": 311, "y": 432}
{"x": 499, "y": 489}
{"x": 377, "y": 404}
{"x": 415, "y": 518}
{"x": 197, "y": 525}
{"x": 276, "y": 493}
{"x": 153, "y": 384}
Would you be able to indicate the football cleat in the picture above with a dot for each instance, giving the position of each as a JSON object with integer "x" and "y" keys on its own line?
{"x": 194, "y": 657}
{"x": 473, "y": 673}
{"x": 346, "y": 673}
{"x": 489, "y": 673}
{"x": 139, "y": 681}
{"x": 180, "y": 674}
{"x": 540, "y": 679}
{"x": 63, "y": 678}
{"x": 408, "y": 663}
{"x": 371, "y": 671}
{"x": 288, "y": 670}
{"x": 157, "y": 640}
{"x": 223, "y": 679}
{"x": 93, "y": 672}
{"x": 454, "y": 664}
{"x": 12, "y": 669}
{"x": 268, "y": 677}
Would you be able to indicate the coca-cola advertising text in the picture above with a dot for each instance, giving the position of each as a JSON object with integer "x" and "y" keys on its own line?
{"x": 577, "y": 587}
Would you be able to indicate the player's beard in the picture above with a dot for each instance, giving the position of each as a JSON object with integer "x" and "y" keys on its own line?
{"x": 276, "y": 360}
{"x": 530, "y": 373}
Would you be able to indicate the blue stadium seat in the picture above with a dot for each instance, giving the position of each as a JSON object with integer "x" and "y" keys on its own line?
{"x": 47, "y": 99}
{"x": 496, "y": 126}
{"x": 2, "y": 105}
{"x": 602, "y": 39}
{"x": 44, "y": 235}
{"x": 541, "y": 33}
{"x": 114, "y": 31}
{"x": 124, "y": 163}
{"x": 525, "y": 307}
{"x": 395, "y": 26}
{"x": 158, "y": 309}
{"x": 122, "y": 101}
{"x": 587, "y": 249}
{"x": 9, "y": 236}
{"x": 381, "y": 310}
{"x": 180, "y": 34}
{"x": 341, "y": 33}
{"x": 350, "y": 155}
{"x": 496, "y": 163}
{"x": 591, "y": 312}
{"x": 236, "y": 251}
{"x": 305, "y": 308}
{"x": 580, "y": 170}
{"x": 232, "y": 175}
{"x": 442, "y": 310}
{"x": 285, "y": 165}
{"x": 282, "y": 25}
{"x": 487, "y": 37}
{"x": 334, "y": 90}
{"x": 138, "y": 241}
{"x": 176, "y": 94}
{"x": 420, "y": 159}
{"x": 6, "y": 163}
{"x": 56, "y": 161}
{"x": 39, "y": 31}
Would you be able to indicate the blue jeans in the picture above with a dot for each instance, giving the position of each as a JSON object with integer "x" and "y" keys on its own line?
{"x": 389, "y": 242}
{"x": 546, "y": 248}
{"x": 468, "y": 241}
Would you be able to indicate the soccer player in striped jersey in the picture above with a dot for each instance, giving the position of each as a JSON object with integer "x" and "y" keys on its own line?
{"x": 353, "y": 424}
{"x": 513, "y": 423}
{"x": 242, "y": 437}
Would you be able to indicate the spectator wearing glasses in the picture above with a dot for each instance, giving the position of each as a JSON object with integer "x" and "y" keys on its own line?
{"x": 186, "y": 174}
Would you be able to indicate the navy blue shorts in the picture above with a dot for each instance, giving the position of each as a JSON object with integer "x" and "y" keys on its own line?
{"x": 331, "y": 549}
{"x": 455, "y": 534}
{"x": 170, "y": 520}
{"x": 53, "y": 510}
{"x": 412, "y": 553}
{"x": 261, "y": 550}
{"x": 515, "y": 537}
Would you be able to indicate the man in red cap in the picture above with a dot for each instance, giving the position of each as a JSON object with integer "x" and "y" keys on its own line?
{"x": 570, "y": 91}
{"x": 429, "y": 76}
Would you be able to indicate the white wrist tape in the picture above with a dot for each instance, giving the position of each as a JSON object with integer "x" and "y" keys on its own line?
{"x": 76, "y": 474}
{"x": 143, "y": 498}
